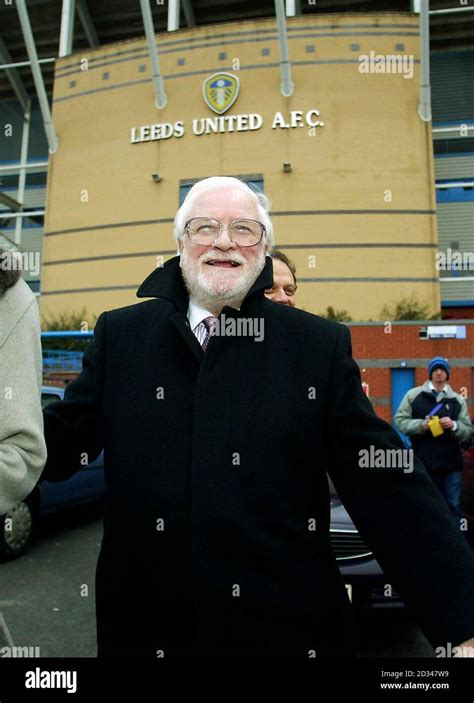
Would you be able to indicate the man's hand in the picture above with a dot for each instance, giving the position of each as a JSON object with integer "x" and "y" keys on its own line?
{"x": 425, "y": 422}
{"x": 446, "y": 423}
{"x": 467, "y": 648}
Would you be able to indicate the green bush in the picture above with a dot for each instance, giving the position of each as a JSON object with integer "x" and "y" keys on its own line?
{"x": 408, "y": 308}
{"x": 336, "y": 315}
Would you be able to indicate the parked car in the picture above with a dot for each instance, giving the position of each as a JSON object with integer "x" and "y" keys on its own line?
{"x": 367, "y": 587}
{"x": 18, "y": 526}
{"x": 362, "y": 574}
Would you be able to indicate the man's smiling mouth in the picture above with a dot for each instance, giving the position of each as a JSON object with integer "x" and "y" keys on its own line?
{"x": 223, "y": 264}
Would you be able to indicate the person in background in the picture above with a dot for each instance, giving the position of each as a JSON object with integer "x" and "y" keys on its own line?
{"x": 22, "y": 444}
{"x": 284, "y": 280}
{"x": 439, "y": 450}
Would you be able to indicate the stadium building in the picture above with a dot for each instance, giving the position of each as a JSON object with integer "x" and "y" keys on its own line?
{"x": 325, "y": 106}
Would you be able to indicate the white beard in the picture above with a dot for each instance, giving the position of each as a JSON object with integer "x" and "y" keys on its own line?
{"x": 214, "y": 288}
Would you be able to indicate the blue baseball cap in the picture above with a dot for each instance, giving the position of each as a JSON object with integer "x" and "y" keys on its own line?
{"x": 438, "y": 362}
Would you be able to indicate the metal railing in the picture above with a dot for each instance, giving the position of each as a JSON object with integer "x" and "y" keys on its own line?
{"x": 55, "y": 360}
{"x": 62, "y": 360}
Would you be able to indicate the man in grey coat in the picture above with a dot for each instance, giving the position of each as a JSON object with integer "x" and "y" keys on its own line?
{"x": 22, "y": 444}
{"x": 439, "y": 451}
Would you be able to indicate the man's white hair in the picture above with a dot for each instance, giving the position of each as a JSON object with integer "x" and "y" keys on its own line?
{"x": 213, "y": 183}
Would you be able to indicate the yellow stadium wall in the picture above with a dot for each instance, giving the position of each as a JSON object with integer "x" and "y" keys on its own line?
{"x": 360, "y": 190}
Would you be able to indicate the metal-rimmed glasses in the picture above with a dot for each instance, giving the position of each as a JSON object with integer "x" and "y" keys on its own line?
{"x": 243, "y": 232}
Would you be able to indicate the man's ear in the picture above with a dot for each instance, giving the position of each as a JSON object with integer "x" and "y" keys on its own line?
{"x": 180, "y": 246}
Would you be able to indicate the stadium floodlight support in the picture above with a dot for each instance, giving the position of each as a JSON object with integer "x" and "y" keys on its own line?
{"x": 25, "y": 137}
{"x": 20, "y": 64}
{"x": 424, "y": 107}
{"x": 458, "y": 128}
{"x": 173, "y": 15}
{"x": 67, "y": 28}
{"x": 287, "y": 85}
{"x": 87, "y": 23}
{"x": 37, "y": 76}
{"x": 452, "y": 10}
{"x": 293, "y": 8}
{"x": 28, "y": 213}
{"x": 189, "y": 13}
{"x": 14, "y": 167}
{"x": 158, "y": 83}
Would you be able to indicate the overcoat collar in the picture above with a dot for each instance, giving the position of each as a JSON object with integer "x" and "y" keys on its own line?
{"x": 167, "y": 282}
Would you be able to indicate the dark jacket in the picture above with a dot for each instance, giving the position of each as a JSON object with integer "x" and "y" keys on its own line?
{"x": 216, "y": 467}
{"x": 444, "y": 451}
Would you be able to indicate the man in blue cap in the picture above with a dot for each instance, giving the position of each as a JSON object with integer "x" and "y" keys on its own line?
{"x": 437, "y": 443}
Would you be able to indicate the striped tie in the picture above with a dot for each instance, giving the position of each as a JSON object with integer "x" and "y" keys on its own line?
{"x": 210, "y": 324}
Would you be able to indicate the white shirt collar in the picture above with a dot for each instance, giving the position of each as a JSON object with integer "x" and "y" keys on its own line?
{"x": 434, "y": 389}
{"x": 196, "y": 314}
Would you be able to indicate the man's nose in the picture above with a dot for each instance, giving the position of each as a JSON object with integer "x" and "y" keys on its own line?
{"x": 280, "y": 296}
{"x": 223, "y": 240}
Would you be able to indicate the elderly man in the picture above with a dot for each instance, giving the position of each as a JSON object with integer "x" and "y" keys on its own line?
{"x": 216, "y": 530}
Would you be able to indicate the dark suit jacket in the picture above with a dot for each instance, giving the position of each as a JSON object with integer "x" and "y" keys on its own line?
{"x": 216, "y": 465}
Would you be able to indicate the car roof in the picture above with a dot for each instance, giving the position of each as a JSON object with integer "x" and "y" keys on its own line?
{"x": 56, "y": 390}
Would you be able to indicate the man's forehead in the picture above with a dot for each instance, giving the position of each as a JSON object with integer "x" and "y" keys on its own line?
{"x": 221, "y": 197}
{"x": 281, "y": 269}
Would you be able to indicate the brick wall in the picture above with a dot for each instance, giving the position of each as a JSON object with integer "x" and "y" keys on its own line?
{"x": 465, "y": 313}
{"x": 378, "y": 349}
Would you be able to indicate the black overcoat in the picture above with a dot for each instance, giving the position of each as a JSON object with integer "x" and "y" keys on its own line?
{"x": 216, "y": 528}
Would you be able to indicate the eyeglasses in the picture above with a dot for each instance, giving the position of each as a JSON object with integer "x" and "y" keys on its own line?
{"x": 205, "y": 231}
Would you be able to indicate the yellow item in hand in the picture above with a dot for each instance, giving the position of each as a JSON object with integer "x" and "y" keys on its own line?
{"x": 435, "y": 426}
